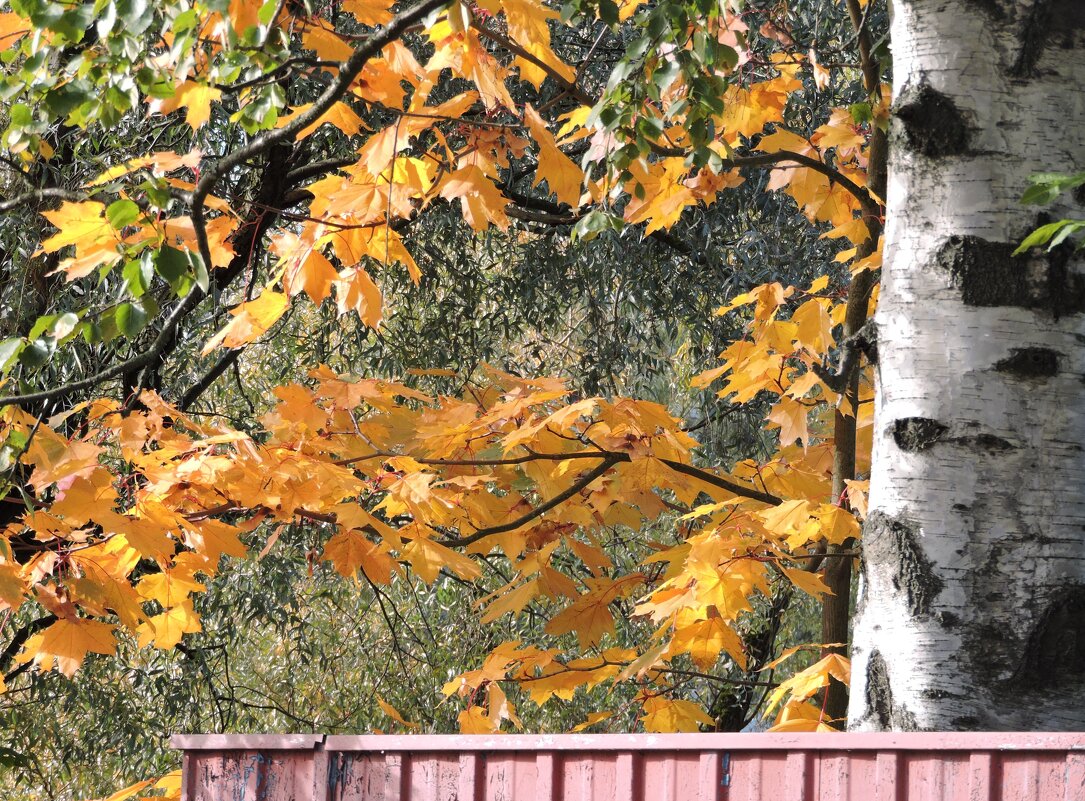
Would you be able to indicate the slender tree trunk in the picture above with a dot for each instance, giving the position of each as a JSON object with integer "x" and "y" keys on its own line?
{"x": 972, "y": 606}
{"x": 836, "y": 607}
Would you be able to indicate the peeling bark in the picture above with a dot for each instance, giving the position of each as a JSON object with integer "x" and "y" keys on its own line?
{"x": 972, "y": 599}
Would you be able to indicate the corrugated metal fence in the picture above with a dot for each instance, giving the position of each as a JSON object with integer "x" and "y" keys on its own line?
{"x": 635, "y": 767}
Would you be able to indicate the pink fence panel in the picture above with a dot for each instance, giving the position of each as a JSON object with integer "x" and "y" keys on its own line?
{"x": 635, "y": 767}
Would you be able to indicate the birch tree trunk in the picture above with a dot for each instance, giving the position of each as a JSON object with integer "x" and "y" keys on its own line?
{"x": 971, "y": 612}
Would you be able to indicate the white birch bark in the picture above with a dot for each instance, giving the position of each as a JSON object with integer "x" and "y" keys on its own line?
{"x": 972, "y": 602}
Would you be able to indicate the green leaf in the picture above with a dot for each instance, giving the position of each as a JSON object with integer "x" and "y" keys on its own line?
{"x": 608, "y": 12}
{"x": 594, "y": 223}
{"x": 20, "y": 115}
{"x": 1041, "y": 236}
{"x": 267, "y": 12}
{"x": 41, "y": 325}
{"x": 9, "y": 350}
{"x": 121, "y": 213}
{"x": 35, "y": 354}
{"x": 137, "y": 15}
{"x": 728, "y": 55}
{"x": 174, "y": 266}
{"x": 1067, "y": 230}
{"x": 1047, "y": 186}
{"x": 63, "y": 326}
{"x": 106, "y": 328}
{"x": 130, "y": 318}
{"x": 92, "y": 333}
{"x": 861, "y": 113}
{"x": 137, "y": 275}
{"x": 13, "y": 759}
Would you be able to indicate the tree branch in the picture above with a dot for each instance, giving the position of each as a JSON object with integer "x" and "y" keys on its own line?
{"x": 193, "y": 393}
{"x": 135, "y": 363}
{"x": 348, "y": 71}
{"x": 38, "y": 195}
{"x": 539, "y": 510}
{"x": 614, "y": 457}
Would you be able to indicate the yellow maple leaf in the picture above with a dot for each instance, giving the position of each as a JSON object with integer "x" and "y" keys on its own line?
{"x": 840, "y": 132}
{"x": 168, "y": 785}
{"x": 215, "y": 538}
{"x": 480, "y": 200}
{"x": 12, "y": 586}
{"x": 12, "y": 28}
{"x": 66, "y": 643}
{"x": 159, "y": 163}
{"x": 147, "y": 537}
{"x": 327, "y": 44}
{"x": 351, "y": 549}
{"x": 355, "y": 290}
{"x": 810, "y": 583}
{"x": 560, "y": 173}
{"x": 704, "y": 640}
{"x": 368, "y": 12}
{"x": 589, "y": 615}
{"x": 195, "y": 98}
{"x": 168, "y": 628}
{"x": 474, "y": 720}
{"x": 428, "y": 558}
{"x": 811, "y": 680}
{"x": 814, "y": 326}
{"x": 394, "y": 714}
{"x": 251, "y": 320}
{"x": 169, "y": 587}
{"x": 340, "y": 116}
{"x": 795, "y": 717}
{"x": 500, "y": 707}
{"x": 790, "y": 416}
{"x": 837, "y": 524}
{"x": 787, "y": 517}
{"x": 527, "y": 22}
{"x": 591, "y": 720}
{"x": 513, "y": 601}
{"x": 85, "y": 226}
{"x": 663, "y": 714}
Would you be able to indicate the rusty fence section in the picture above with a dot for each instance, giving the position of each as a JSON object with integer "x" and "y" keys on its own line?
{"x": 635, "y": 767}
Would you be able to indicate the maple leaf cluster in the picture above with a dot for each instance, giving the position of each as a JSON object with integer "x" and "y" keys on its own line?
{"x": 402, "y": 483}
{"x": 132, "y": 506}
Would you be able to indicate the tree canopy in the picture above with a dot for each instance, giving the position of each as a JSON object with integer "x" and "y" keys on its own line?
{"x": 543, "y": 322}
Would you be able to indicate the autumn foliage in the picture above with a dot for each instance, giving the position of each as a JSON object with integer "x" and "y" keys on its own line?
{"x": 131, "y": 503}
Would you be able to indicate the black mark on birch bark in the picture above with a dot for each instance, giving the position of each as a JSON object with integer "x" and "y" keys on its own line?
{"x": 992, "y": 7}
{"x": 948, "y": 620}
{"x": 888, "y": 715}
{"x": 1030, "y": 363}
{"x": 991, "y": 443}
{"x": 1055, "y": 652}
{"x": 1047, "y": 22}
{"x": 914, "y": 434}
{"x": 988, "y": 274}
{"x": 891, "y": 544}
{"x": 932, "y": 123}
